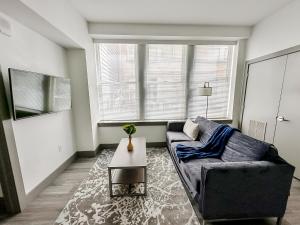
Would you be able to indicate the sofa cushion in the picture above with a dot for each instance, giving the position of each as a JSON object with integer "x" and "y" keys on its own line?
{"x": 173, "y": 136}
{"x": 192, "y": 169}
{"x": 206, "y": 128}
{"x": 189, "y": 143}
{"x": 241, "y": 147}
{"x": 191, "y": 129}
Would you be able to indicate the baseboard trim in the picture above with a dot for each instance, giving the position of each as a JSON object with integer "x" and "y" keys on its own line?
{"x": 2, "y": 206}
{"x": 86, "y": 154}
{"x": 91, "y": 154}
{"x": 107, "y": 146}
{"x": 148, "y": 145}
{"x": 156, "y": 144}
{"x": 48, "y": 180}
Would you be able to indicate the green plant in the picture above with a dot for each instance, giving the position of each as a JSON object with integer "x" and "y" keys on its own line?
{"x": 129, "y": 129}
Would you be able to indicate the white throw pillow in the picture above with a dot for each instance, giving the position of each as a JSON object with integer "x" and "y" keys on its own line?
{"x": 191, "y": 129}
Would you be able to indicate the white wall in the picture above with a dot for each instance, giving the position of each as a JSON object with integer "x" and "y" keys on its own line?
{"x": 240, "y": 68}
{"x": 113, "y": 135}
{"x": 92, "y": 90}
{"x": 78, "y": 71}
{"x": 38, "y": 139}
{"x": 276, "y": 32}
{"x": 62, "y": 15}
{"x": 167, "y": 31}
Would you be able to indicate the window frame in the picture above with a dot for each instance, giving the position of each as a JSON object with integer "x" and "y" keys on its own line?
{"x": 183, "y": 71}
{"x": 232, "y": 67}
{"x": 141, "y": 66}
{"x": 100, "y": 83}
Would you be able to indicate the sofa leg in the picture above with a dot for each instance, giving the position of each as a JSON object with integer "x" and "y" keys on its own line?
{"x": 279, "y": 221}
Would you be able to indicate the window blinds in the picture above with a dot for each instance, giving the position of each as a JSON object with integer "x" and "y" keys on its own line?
{"x": 165, "y": 88}
{"x": 117, "y": 81}
{"x": 212, "y": 63}
{"x": 165, "y": 81}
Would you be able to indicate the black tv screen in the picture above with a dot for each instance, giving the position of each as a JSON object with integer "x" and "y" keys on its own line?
{"x": 34, "y": 94}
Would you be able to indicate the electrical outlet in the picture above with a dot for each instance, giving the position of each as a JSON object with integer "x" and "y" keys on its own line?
{"x": 59, "y": 148}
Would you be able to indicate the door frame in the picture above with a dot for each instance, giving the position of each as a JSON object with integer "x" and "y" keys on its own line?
{"x": 246, "y": 74}
{"x": 7, "y": 179}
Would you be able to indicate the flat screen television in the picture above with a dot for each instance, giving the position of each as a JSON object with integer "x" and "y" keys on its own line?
{"x": 34, "y": 94}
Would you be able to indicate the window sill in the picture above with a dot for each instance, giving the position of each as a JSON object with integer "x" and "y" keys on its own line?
{"x": 150, "y": 122}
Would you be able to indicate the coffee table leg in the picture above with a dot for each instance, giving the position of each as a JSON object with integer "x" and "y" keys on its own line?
{"x": 129, "y": 188}
{"x": 145, "y": 179}
{"x": 109, "y": 182}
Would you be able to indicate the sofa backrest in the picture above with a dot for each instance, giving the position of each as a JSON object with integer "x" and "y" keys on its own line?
{"x": 206, "y": 128}
{"x": 239, "y": 147}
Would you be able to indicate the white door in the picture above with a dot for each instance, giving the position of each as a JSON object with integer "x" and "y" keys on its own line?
{"x": 287, "y": 135}
{"x": 263, "y": 94}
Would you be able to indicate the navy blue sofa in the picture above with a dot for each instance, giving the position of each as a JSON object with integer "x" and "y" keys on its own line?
{"x": 246, "y": 182}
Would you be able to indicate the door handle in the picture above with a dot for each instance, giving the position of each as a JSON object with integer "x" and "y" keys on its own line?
{"x": 281, "y": 119}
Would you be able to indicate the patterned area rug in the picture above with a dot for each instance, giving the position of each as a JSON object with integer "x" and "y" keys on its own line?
{"x": 165, "y": 204}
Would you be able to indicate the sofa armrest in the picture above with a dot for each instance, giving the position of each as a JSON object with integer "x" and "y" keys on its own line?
{"x": 176, "y": 126}
{"x": 245, "y": 189}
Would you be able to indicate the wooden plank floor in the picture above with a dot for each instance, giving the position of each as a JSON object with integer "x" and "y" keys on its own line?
{"x": 292, "y": 214}
{"x": 46, "y": 207}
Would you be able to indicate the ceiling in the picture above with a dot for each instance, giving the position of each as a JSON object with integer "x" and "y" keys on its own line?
{"x": 208, "y": 12}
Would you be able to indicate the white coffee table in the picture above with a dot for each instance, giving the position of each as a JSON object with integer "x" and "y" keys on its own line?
{"x": 129, "y": 167}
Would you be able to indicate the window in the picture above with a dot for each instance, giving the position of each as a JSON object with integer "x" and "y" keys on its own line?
{"x": 117, "y": 81}
{"x": 213, "y": 64}
{"x": 160, "y": 81}
{"x": 165, "y": 82}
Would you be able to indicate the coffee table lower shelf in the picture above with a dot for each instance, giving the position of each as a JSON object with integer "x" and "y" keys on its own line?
{"x": 127, "y": 176}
